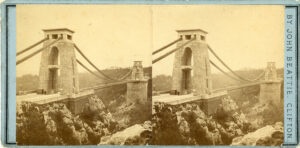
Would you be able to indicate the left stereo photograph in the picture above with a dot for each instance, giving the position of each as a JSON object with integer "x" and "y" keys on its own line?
{"x": 83, "y": 75}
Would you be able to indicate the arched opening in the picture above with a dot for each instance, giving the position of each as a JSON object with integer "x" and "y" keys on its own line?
{"x": 53, "y": 56}
{"x": 187, "y": 57}
{"x": 53, "y": 71}
{"x": 187, "y": 71}
{"x": 52, "y": 83}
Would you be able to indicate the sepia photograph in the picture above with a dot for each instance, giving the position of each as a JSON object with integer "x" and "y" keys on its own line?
{"x": 150, "y": 75}
{"x": 83, "y": 75}
{"x": 217, "y": 75}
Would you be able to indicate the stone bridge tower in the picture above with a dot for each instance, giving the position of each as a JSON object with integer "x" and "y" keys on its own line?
{"x": 271, "y": 88}
{"x": 191, "y": 69}
{"x": 137, "y": 86}
{"x": 58, "y": 67}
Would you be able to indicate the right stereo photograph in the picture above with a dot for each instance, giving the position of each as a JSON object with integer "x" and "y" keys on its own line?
{"x": 218, "y": 75}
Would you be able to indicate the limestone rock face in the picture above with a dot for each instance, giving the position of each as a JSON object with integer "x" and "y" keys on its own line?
{"x": 263, "y": 114}
{"x": 138, "y": 134}
{"x": 189, "y": 125}
{"x": 94, "y": 104}
{"x": 228, "y": 104}
{"x": 266, "y": 136}
{"x": 54, "y": 124}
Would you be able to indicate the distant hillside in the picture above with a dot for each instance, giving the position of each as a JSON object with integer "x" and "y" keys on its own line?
{"x": 27, "y": 82}
{"x": 31, "y": 82}
{"x": 219, "y": 80}
{"x": 160, "y": 82}
{"x": 88, "y": 80}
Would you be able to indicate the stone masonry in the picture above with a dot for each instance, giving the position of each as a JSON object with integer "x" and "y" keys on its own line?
{"x": 137, "y": 85}
{"x": 270, "y": 90}
{"x": 191, "y": 69}
{"x": 58, "y": 67}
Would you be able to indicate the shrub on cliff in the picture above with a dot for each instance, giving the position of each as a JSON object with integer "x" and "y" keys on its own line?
{"x": 221, "y": 115}
{"x": 188, "y": 125}
{"x": 165, "y": 126}
{"x": 55, "y": 125}
{"x": 140, "y": 112}
{"x": 31, "y": 128}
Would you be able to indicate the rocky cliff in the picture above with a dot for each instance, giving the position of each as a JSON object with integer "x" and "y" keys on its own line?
{"x": 55, "y": 124}
{"x": 270, "y": 135}
{"x": 188, "y": 125}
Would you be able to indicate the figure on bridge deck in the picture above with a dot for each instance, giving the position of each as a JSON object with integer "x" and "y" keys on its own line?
{"x": 191, "y": 69}
{"x": 58, "y": 67}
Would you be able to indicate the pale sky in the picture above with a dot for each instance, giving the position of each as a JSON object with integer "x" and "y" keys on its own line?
{"x": 115, "y": 35}
{"x": 108, "y": 35}
{"x": 244, "y": 36}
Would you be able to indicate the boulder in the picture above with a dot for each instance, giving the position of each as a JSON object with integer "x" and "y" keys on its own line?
{"x": 266, "y": 136}
{"x": 229, "y": 105}
{"x": 135, "y": 135}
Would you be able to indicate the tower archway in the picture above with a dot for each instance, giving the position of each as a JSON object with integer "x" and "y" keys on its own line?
{"x": 53, "y": 56}
{"x": 187, "y": 57}
{"x": 58, "y": 68}
{"x": 191, "y": 69}
{"x": 53, "y": 71}
{"x": 186, "y": 62}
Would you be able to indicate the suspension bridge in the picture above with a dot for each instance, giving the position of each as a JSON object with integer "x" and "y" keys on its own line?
{"x": 58, "y": 73}
{"x": 192, "y": 79}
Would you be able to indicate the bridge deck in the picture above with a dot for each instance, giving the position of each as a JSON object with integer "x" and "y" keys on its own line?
{"x": 179, "y": 99}
{"x": 45, "y": 99}
{"x": 40, "y": 99}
